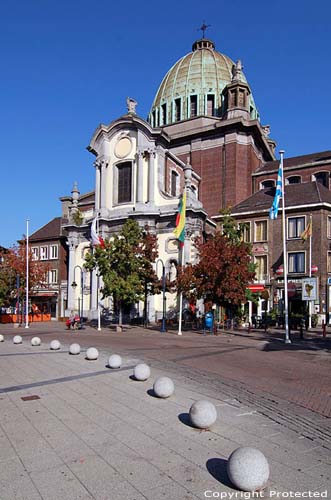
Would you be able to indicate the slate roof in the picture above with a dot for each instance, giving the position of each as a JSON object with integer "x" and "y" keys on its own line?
{"x": 308, "y": 193}
{"x": 295, "y": 161}
{"x": 50, "y": 231}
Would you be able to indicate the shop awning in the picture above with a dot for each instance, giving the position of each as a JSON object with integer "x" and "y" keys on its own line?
{"x": 256, "y": 288}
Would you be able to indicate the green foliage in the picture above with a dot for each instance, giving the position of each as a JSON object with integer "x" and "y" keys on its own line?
{"x": 125, "y": 264}
{"x": 230, "y": 227}
{"x": 77, "y": 217}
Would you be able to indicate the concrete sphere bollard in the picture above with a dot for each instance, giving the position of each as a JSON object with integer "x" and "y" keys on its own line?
{"x": 115, "y": 361}
{"x": 248, "y": 469}
{"x": 2, "y": 338}
{"x": 92, "y": 354}
{"x": 163, "y": 387}
{"x": 203, "y": 414}
{"x": 263, "y": 345}
{"x": 55, "y": 345}
{"x": 74, "y": 349}
{"x": 35, "y": 341}
{"x": 17, "y": 339}
{"x": 141, "y": 372}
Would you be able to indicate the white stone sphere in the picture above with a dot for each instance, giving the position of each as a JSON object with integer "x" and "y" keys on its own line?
{"x": 35, "y": 341}
{"x": 92, "y": 353}
{"x": 141, "y": 372}
{"x": 74, "y": 349}
{"x": 2, "y": 338}
{"x": 17, "y": 339}
{"x": 115, "y": 361}
{"x": 163, "y": 387}
{"x": 263, "y": 345}
{"x": 55, "y": 345}
{"x": 203, "y": 414}
{"x": 248, "y": 469}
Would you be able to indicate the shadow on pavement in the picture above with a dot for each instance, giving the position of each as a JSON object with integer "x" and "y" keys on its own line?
{"x": 217, "y": 468}
{"x": 184, "y": 418}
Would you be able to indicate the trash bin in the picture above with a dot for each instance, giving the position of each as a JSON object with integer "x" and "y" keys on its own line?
{"x": 209, "y": 320}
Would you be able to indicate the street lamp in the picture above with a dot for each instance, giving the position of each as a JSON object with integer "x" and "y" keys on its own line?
{"x": 74, "y": 284}
{"x": 163, "y": 326}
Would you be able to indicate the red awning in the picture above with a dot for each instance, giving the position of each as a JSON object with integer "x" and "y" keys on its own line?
{"x": 256, "y": 288}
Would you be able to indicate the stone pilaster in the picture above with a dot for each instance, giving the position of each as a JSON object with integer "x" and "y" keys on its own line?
{"x": 140, "y": 177}
{"x": 97, "y": 185}
{"x": 102, "y": 164}
{"x": 151, "y": 175}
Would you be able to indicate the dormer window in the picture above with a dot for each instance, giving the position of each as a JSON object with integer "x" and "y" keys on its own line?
{"x": 294, "y": 179}
{"x": 322, "y": 178}
{"x": 267, "y": 184}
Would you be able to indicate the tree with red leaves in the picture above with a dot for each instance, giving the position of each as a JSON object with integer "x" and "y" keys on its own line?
{"x": 223, "y": 270}
{"x": 13, "y": 266}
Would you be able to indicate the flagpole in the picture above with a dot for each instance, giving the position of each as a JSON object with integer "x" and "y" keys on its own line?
{"x": 287, "y": 331}
{"x": 181, "y": 240}
{"x": 27, "y": 276}
{"x": 310, "y": 260}
{"x": 98, "y": 278}
{"x": 181, "y": 299}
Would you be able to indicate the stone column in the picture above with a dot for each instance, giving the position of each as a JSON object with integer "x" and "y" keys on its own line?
{"x": 97, "y": 185}
{"x": 140, "y": 177}
{"x": 72, "y": 243}
{"x": 151, "y": 175}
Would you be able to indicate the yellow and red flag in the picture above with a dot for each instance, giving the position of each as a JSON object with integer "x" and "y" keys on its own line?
{"x": 179, "y": 231}
{"x": 306, "y": 233}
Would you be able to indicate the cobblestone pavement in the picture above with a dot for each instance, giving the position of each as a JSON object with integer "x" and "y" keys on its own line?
{"x": 86, "y": 439}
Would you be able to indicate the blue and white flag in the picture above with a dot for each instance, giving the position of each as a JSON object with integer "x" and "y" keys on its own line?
{"x": 273, "y": 212}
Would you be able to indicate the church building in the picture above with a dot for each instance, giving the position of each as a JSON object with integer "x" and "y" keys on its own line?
{"x": 202, "y": 134}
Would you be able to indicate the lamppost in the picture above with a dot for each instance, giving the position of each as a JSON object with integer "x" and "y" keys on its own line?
{"x": 163, "y": 326}
{"x": 74, "y": 284}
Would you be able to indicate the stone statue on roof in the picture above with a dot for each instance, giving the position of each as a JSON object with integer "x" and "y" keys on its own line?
{"x": 131, "y": 105}
{"x": 237, "y": 71}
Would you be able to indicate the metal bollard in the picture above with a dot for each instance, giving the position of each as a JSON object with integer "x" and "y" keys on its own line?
{"x": 323, "y": 329}
{"x": 249, "y": 327}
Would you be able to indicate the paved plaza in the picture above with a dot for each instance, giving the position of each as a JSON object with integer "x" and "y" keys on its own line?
{"x": 73, "y": 429}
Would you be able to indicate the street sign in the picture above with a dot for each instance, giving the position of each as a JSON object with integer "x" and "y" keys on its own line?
{"x": 309, "y": 289}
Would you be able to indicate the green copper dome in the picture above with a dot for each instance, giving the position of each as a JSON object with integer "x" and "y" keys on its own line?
{"x": 193, "y": 86}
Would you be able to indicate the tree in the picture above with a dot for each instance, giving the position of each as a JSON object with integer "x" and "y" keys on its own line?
{"x": 125, "y": 265}
{"x": 223, "y": 270}
{"x": 13, "y": 271}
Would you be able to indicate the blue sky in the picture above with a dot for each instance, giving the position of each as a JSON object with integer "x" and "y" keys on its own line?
{"x": 67, "y": 66}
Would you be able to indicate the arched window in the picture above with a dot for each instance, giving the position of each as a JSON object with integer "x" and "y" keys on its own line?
{"x": 322, "y": 178}
{"x": 294, "y": 179}
{"x": 267, "y": 184}
{"x": 123, "y": 182}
